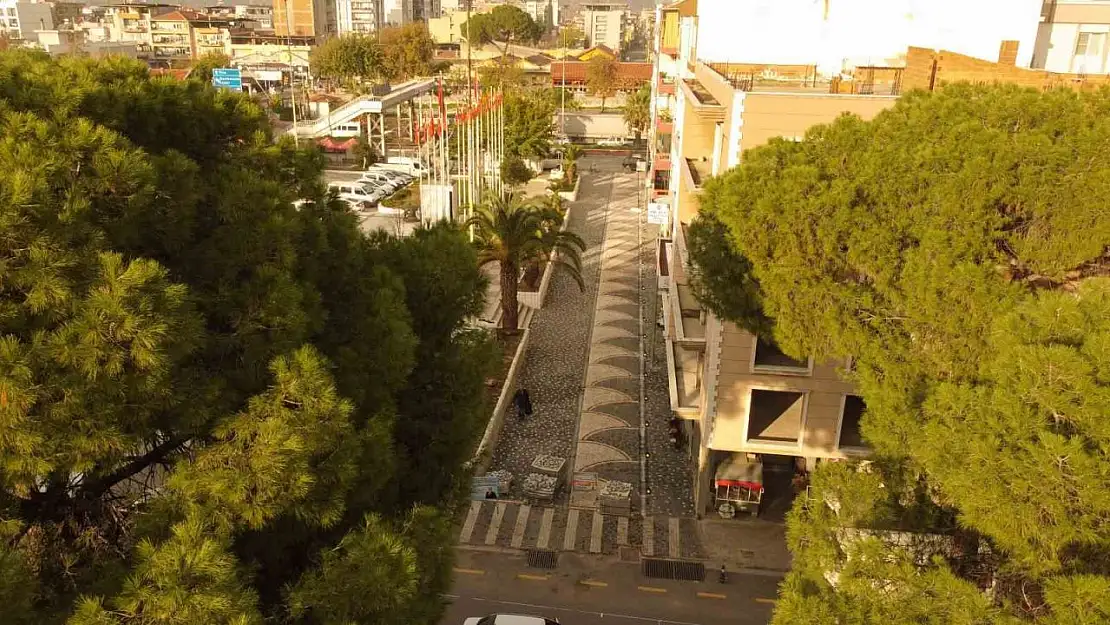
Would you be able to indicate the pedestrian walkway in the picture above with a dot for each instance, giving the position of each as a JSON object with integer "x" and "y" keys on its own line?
{"x": 556, "y": 359}
{"x": 608, "y": 442}
{"x": 518, "y": 525}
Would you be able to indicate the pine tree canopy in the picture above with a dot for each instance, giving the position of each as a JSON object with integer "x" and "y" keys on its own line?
{"x": 957, "y": 247}
{"x": 216, "y": 407}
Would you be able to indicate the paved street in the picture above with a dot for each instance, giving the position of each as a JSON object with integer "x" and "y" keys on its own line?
{"x": 592, "y": 591}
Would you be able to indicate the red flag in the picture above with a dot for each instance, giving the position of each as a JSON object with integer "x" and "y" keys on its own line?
{"x": 442, "y": 104}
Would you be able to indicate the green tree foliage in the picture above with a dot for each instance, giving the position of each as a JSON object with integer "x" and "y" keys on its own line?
{"x": 406, "y": 51}
{"x": 349, "y": 58}
{"x": 213, "y": 404}
{"x": 396, "y": 53}
{"x": 514, "y": 171}
{"x": 512, "y": 233}
{"x": 723, "y": 280}
{"x": 529, "y": 124}
{"x": 202, "y": 67}
{"x": 504, "y": 25}
{"x": 571, "y": 154}
{"x": 637, "y": 111}
{"x": 955, "y": 246}
{"x": 602, "y": 78}
{"x": 571, "y": 36}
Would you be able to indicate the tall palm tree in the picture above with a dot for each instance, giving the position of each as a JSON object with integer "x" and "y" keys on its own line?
{"x": 570, "y": 161}
{"x": 513, "y": 233}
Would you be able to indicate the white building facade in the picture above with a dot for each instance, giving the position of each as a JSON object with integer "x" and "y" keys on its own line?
{"x": 1074, "y": 37}
{"x": 604, "y": 24}
{"x": 20, "y": 20}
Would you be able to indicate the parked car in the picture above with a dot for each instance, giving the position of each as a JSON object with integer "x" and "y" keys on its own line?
{"x": 391, "y": 174}
{"x": 613, "y": 142}
{"x": 358, "y": 192}
{"x": 377, "y": 180}
{"x": 407, "y": 164}
{"x": 511, "y": 619}
{"x": 632, "y": 162}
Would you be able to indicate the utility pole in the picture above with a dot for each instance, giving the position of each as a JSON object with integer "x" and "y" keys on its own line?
{"x": 292, "y": 69}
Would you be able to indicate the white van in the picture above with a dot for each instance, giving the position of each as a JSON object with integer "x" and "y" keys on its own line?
{"x": 407, "y": 164}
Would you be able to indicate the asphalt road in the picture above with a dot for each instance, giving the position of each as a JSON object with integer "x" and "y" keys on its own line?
{"x": 592, "y": 590}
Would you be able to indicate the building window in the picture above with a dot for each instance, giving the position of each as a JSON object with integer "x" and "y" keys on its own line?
{"x": 775, "y": 416}
{"x": 768, "y": 357}
{"x": 850, "y": 437}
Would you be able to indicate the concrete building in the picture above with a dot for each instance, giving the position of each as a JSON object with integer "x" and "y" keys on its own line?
{"x": 185, "y": 35}
{"x": 604, "y": 24}
{"x": 805, "y": 64}
{"x": 544, "y": 12}
{"x": 447, "y": 27}
{"x": 1073, "y": 37}
{"x": 419, "y": 10}
{"x": 304, "y": 18}
{"x": 359, "y": 16}
{"x": 19, "y": 20}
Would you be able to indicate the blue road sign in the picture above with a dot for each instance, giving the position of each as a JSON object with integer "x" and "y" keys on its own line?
{"x": 227, "y": 78}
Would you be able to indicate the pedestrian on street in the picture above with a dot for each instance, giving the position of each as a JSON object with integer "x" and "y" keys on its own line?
{"x": 523, "y": 403}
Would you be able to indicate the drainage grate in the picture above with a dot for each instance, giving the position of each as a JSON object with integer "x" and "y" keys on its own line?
{"x": 674, "y": 569}
{"x": 543, "y": 558}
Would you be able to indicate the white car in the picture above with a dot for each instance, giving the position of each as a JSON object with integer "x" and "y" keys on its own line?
{"x": 357, "y": 192}
{"x": 380, "y": 182}
{"x": 511, "y": 619}
{"x": 613, "y": 142}
{"x": 394, "y": 176}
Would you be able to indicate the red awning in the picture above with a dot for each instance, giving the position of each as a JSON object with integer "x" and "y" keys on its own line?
{"x": 331, "y": 145}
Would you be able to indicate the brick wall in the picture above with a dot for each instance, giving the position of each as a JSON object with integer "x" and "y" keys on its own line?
{"x": 927, "y": 69}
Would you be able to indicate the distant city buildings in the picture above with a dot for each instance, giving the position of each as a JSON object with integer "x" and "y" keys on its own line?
{"x": 1073, "y": 37}
{"x": 419, "y": 10}
{"x": 20, "y": 20}
{"x": 604, "y": 24}
{"x": 544, "y": 12}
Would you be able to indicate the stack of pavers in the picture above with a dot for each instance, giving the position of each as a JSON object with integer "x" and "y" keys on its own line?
{"x": 615, "y": 498}
{"x": 504, "y": 480}
{"x": 544, "y": 481}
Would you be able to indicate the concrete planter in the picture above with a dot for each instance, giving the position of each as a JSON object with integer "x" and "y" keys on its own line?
{"x": 535, "y": 299}
{"x": 484, "y": 454}
{"x": 572, "y": 195}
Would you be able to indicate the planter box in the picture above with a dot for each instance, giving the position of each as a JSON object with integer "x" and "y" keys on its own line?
{"x": 535, "y": 299}
{"x": 484, "y": 454}
{"x": 572, "y": 195}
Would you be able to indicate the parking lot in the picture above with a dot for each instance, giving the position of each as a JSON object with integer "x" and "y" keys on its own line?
{"x": 370, "y": 221}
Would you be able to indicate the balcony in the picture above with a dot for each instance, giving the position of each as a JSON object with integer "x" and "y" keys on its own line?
{"x": 666, "y": 87}
{"x": 660, "y": 182}
{"x": 664, "y": 126}
{"x": 707, "y": 107}
{"x": 695, "y": 172}
{"x": 685, "y": 362}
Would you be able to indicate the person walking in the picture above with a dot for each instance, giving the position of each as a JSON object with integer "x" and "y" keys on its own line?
{"x": 523, "y": 403}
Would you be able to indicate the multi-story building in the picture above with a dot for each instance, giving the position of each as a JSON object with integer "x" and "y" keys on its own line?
{"x": 19, "y": 20}
{"x": 1073, "y": 37}
{"x": 185, "y": 35}
{"x": 359, "y": 16}
{"x": 419, "y": 10}
{"x": 544, "y": 12}
{"x": 304, "y": 18}
{"x": 604, "y": 24}
{"x": 739, "y": 395}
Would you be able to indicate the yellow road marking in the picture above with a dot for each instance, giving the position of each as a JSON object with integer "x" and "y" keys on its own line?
{"x": 594, "y": 583}
{"x": 764, "y": 600}
{"x": 470, "y": 571}
{"x": 529, "y": 576}
{"x": 711, "y": 595}
{"x": 652, "y": 589}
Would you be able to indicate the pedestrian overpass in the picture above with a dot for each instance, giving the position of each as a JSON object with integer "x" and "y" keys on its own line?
{"x": 373, "y": 108}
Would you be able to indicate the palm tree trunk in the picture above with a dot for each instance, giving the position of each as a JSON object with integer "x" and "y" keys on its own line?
{"x": 508, "y": 297}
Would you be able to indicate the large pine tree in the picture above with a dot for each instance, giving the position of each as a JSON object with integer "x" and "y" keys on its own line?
{"x": 957, "y": 247}
{"x": 215, "y": 407}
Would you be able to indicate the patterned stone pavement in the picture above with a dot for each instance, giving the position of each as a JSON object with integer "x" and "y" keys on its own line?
{"x": 593, "y": 337}
{"x": 556, "y": 358}
{"x": 609, "y": 427}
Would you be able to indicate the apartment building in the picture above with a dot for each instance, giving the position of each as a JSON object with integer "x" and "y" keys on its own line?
{"x": 419, "y": 10}
{"x": 739, "y": 396}
{"x": 604, "y": 24}
{"x": 1073, "y": 37}
{"x": 304, "y": 18}
{"x": 544, "y": 12}
{"x": 184, "y": 35}
{"x": 19, "y": 20}
{"x": 359, "y": 16}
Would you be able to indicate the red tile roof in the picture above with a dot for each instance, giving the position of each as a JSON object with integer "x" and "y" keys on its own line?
{"x": 628, "y": 74}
